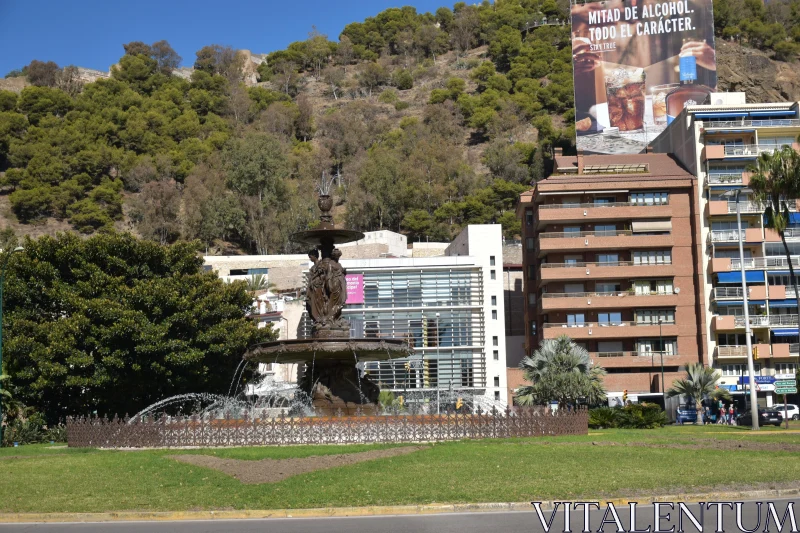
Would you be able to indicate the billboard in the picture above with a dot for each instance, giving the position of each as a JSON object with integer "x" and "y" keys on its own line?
{"x": 355, "y": 288}
{"x": 636, "y": 65}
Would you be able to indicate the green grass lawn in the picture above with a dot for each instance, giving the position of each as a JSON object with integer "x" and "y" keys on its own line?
{"x": 41, "y": 479}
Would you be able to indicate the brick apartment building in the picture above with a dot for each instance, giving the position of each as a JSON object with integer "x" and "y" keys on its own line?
{"x": 612, "y": 257}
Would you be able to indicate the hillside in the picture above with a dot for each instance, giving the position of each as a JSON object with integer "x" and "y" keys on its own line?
{"x": 426, "y": 122}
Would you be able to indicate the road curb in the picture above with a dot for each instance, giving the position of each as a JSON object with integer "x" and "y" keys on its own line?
{"x": 330, "y": 512}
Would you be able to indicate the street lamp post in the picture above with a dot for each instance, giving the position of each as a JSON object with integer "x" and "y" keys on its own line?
{"x": 747, "y": 330}
{"x": 2, "y": 284}
{"x": 661, "y": 344}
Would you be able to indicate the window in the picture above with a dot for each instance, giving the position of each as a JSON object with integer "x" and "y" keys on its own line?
{"x": 605, "y": 230}
{"x": 779, "y": 279}
{"x": 497, "y": 395}
{"x": 494, "y": 300}
{"x": 648, "y": 346}
{"x": 732, "y": 339}
{"x": 531, "y": 272}
{"x": 659, "y": 286}
{"x": 573, "y": 259}
{"x": 739, "y": 370}
{"x": 529, "y": 243}
{"x": 573, "y": 287}
{"x": 785, "y": 368}
{"x": 606, "y": 348}
{"x": 776, "y": 142}
{"x": 728, "y": 225}
{"x": 606, "y": 287}
{"x": 603, "y": 200}
{"x": 529, "y": 217}
{"x": 493, "y": 274}
{"x": 652, "y": 257}
{"x": 652, "y": 316}
{"x": 732, "y": 254}
{"x": 531, "y": 298}
{"x": 491, "y": 260}
{"x": 575, "y": 319}
{"x": 609, "y": 319}
{"x": 608, "y": 258}
{"x": 572, "y": 230}
{"x": 497, "y": 381}
{"x": 494, "y": 314}
{"x": 649, "y": 198}
{"x": 494, "y": 341}
{"x": 496, "y": 355}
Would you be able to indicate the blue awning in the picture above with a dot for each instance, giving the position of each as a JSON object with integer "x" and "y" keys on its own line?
{"x": 726, "y": 187}
{"x": 719, "y": 115}
{"x": 794, "y": 218}
{"x": 785, "y": 332}
{"x": 779, "y": 272}
{"x": 783, "y": 113}
{"x": 783, "y": 303}
{"x": 751, "y": 276}
{"x": 725, "y": 303}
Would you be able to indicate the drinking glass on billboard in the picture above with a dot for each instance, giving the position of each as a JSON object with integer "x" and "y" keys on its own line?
{"x": 625, "y": 94}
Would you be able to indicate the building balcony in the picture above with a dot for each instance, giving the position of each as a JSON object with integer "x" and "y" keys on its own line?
{"x": 738, "y": 352}
{"x": 730, "y": 322}
{"x": 613, "y": 270}
{"x": 614, "y": 330}
{"x": 732, "y": 236}
{"x": 635, "y": 359}
{"x": 722, "y": 207}
{"x": 741, "y": 151}
{"x": 721, "y": 125}
{"x": 601, "y": 240}
{"x": 604, "y": 300}
{"x": 554, "y": 213}
{"x": 728, "y": 179}
{"x": 727, "y": 293}
{"x": 784, "y": 350}
{"x": 722, "y": 264}
{"x": 791, "y": 234}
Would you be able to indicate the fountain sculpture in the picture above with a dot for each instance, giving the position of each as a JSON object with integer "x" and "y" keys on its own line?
{"x": 329, "y": 372}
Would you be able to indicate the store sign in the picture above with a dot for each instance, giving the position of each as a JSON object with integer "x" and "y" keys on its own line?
{"x": 636, "y": 65}
{"x": 760, "y": 380}
{"x": 355, "y": 288}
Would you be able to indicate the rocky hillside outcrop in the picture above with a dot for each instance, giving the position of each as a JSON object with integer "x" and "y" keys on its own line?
{"x": 751, "y": 71}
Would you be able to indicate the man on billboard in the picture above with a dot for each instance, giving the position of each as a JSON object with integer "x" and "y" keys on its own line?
{"x": 636, "y": 65}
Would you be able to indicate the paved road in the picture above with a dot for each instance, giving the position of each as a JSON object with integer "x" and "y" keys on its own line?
{"x": 505, "y": 522}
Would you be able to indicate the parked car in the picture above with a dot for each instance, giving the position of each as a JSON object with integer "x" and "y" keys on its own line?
{"x": 792, "y": 411}
{"x": 765, "y": 417}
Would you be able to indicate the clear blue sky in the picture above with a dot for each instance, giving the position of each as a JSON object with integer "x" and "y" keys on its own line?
{"x": 90, "y": 33}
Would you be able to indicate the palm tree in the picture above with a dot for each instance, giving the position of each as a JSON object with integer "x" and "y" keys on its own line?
{"x": 776, "y": 182}
{"x": 560, "y": 370}
{"x": 258, "y": 282}
{"x": 700, "y": 383}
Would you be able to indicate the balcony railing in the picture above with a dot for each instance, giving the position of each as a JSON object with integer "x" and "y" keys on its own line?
{"x": 604, "y": 264}
{"x": 641, "y": 353}
{"x": 761, "y": 263}
{"x": 748, "y": 149}
{"x": 732, "y": 179}
{"x": 578, "y": 234}
{"x": 765, "y": 321}
{"x": 746, "y": 207}
{"x": 595, "y": 294}
{"x": 728, "y": 293}
{"x": 765, "y": 123}
{"x": 607, "y": 204}
{"x": 728, "y": 235}
{"x": 606, "y": 324}
{"x": 731, "y": 351}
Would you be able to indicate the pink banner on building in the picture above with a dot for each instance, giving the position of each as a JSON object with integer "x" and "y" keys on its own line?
{"x": 355, "y": 288}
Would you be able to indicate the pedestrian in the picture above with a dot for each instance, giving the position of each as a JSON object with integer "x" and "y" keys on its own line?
{"x": 706, "y": 416}
{"x": 730, "y": 416}
{"x": 678, "y": 418}
{"x": 721, "y": 414}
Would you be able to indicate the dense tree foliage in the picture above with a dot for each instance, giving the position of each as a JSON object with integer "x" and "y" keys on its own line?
{"x": 772, "y": 26}
{"x": 113, "y": 324}
{"x": 418, "y": 141}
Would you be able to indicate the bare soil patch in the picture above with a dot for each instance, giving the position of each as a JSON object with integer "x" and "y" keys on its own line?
{"x": 275, "y": 470}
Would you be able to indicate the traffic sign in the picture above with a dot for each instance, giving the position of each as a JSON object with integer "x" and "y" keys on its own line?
{"x": 785, "y": 390}
{"x": 789, "y": 376}
{"x": 785, "y": 384}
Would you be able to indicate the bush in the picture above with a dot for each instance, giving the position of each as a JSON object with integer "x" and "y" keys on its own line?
{"x": 403, "y": 80}
{"x": 389, "y": 96}
{"x": 400, "y": 106}
{"x": 634, "y": 416}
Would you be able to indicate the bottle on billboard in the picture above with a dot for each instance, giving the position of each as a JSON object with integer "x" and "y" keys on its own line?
{"x": 689, "y": 92}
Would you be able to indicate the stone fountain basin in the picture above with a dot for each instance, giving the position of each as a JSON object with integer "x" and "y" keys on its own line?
{"x": 328, "y": 349}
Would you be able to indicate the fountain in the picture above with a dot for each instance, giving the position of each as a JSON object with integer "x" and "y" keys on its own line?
{"x": 329, "y": 375}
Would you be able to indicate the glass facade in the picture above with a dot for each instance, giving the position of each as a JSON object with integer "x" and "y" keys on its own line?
{"x": 439, "y": 312}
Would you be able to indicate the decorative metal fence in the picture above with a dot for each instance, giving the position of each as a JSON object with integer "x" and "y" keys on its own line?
{"x": 248, "y": 430}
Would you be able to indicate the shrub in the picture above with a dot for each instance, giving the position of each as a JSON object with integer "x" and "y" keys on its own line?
{"x": 400, "y": 106}
{"x": 602, "y": 418}
{"x": 389, "y": 96}
{"x": 634, "y": 416}
{"x": 403, "y": 80}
